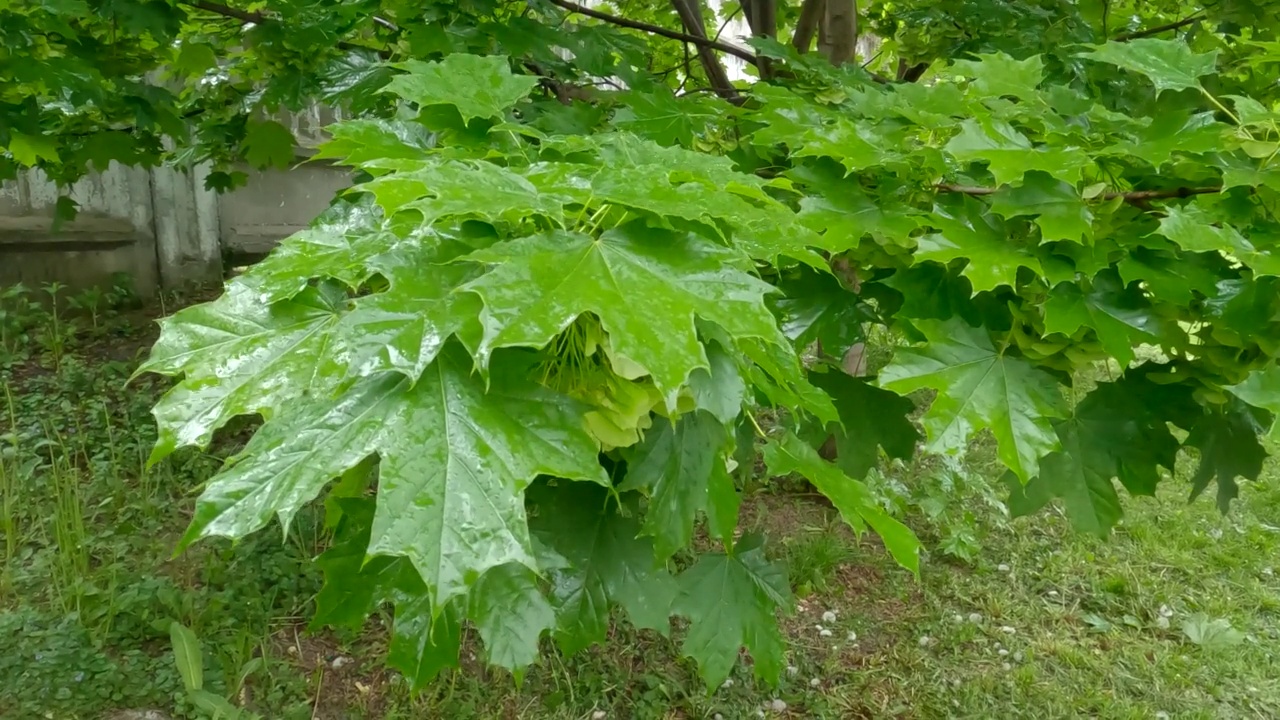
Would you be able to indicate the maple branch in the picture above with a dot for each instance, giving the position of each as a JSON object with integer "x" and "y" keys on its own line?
{"x": 1189, "y": 20}
{"x": 243, "y": 16}
{"x": 655, "y": 30}
{"x": 1131, "y": 196}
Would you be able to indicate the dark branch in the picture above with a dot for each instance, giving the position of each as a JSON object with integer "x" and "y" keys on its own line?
{"x": 655, "y": 30}
{"x": 1191, "y": 20}
{"x": 807, "y": 25}
{"x": 690, "y": 13}
{"x": 1131, "y": 196}
{"x": 227, "y": 11}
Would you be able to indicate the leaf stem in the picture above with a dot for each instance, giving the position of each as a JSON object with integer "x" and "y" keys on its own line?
{"x": 755, "y": 424}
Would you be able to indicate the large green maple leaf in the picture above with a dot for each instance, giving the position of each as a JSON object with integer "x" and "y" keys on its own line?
{"x": 979, "y": 386}
{"x": 606, "y": 564}
{"x": 998, "y": 74}
{"x": 339, "y": 244}
{"x": 423, "y": 642}
{"x": 871, "y": 418}
{"x": 1010, "y": 155}
{"x": 1060, "y": 211}
{"x": 241, "y": 356}
{"x": 1121, "y": 317}
{"x": 405, "y": 326}
{"x": 981, "y": 239}
{"x": 1195, "y": 229}
{"x": 815, "y": 306}
{"x": 1227, "y": 440}
{"x": 455, "y": 458}
{"x": 1169, "y": 64}
{"x": 731, "y": 601}
{"x": 1116, "y": 431}
{"x": 479, "y": 86}
{"x": 646, "y": 285}
{"x": 681, "y": 467}
{"x": 1261, "y": 389}
{"x": 856, "y": 503}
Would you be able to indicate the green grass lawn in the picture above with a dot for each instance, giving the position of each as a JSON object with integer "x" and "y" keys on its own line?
{"x": 1177, "y": 615}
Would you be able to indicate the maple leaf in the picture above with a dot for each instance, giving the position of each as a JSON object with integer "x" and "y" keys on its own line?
{"x": 607, "y": 564}
{"x": 539, "y": 284}
{"x": 1120, "y": 317}
{"x": 1060, "y": 211}
{"x": 1115, "y": 432}
{"x": 269, "y": 144}
{"x": 730, "y": 601}
{"x": 860, "y": 433}
{"x": 856, "y": 503}
{"x": 1261, "y": 389}
{"x": 479, "y": 86}
{"x": 454, "y": 461}
{"x": 979, "y": 387}
{"x": 1010, "y": 155}
{"x": 1193, "y": 228}
{"x": 998, "y": 74}
{"x": 681, "y": 467}
{"x": 1169, "y": 64}
{"x": 240, "y": 356}
{"x": 1227, "y": 439}
{"x": 993, "y": 260}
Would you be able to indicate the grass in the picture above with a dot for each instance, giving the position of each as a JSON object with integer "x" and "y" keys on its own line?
{"x": 1177, "y": 614}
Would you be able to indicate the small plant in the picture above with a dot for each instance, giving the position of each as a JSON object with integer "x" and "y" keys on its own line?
{"x": 189, "y": 657}
{"x": 56, "y": 335}
{"x": 91, "y": 301}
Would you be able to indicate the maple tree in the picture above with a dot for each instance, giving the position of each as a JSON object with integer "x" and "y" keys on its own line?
{"x": 522, "y": 358}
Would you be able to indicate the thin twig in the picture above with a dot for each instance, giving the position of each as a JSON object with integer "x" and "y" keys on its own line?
{"x": 1189, "y": 20}
{"x": 1131, "y": 196}
{"x": 656, "y": 30}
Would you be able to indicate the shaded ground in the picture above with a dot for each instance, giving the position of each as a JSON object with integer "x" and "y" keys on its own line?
{"x": 1177, "y": 615}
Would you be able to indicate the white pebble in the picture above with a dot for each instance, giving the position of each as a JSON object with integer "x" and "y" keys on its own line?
{"x": 924, "y": 640}
{"x": 1007, "y": 630}
{"x": 828, "y": 617}
{"x": 1007, "y": 666}
{"x": 955, "y": 682}
{"x": 852, "y": 636}
{"x": 1002, "y": 652}
{"x": 792, "y": 671}
{"x": 598, "y": 715}
{"x": 760, "y": 713}
{"x": 1162, "y": 623}
{"x": 1002, "y": 567}
{"x": 815, "y": 682}
{"x": 957, "y": 618}
{"x": 778, "y": 705}
{"x": 339, "y": 661}
{"x": 975, "y": 618}
{"x": 824, "y": 632}
{"x": 1166, "y": 611}
{"x": 1052, "y": 593}
{"x": 717, "y": 716}
{"x": 1268, "y": 571}
{"x": 728, "y": 683}
{"x": 819, "y": 628}
{"x": 1162, "y": 715}
{"x": 1017, "y": 657}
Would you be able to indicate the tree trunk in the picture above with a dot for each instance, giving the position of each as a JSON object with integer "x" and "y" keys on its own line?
{"x": 838, "y": 31}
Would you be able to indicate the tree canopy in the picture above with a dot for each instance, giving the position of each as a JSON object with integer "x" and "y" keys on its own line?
{"x": 523, "y": 358}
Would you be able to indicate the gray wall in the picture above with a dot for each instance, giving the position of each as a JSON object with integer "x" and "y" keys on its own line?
{"x": 159, "y": 225}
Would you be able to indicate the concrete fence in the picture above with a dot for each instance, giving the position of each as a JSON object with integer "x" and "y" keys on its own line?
{"x": 160, "y": 225}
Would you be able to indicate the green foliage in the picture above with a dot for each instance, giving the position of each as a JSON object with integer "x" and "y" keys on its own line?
{"x": 547, "y": 298}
